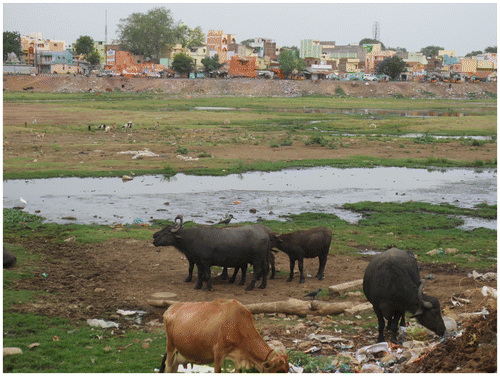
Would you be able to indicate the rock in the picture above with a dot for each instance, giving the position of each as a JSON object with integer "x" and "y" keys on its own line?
{"x": 450, "y": 251}
{"x": 434, "y": 252}
{"x": 12, "y": 350}
{"x": 145, "y": 345}
{"x": 472, "y": 259}
{"x": 99, "y": 290}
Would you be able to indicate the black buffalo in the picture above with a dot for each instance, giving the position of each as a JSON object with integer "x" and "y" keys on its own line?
{"x": 392, "y": 284}
{"x": 228, "y": 247}
{"x": 304, "y": 244}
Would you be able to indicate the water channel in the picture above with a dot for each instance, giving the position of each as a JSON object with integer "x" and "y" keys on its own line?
{"x": 268, "y": 195}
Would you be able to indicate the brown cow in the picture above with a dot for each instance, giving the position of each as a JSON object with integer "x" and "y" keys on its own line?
{"x": 209, "y": 332}
{"x": 304, "y": 244}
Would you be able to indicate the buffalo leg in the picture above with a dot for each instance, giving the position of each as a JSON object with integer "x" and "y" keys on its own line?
{"x": 201, "y": 275}
{"x": 233, "y": 278}
{"x": 224, "y": 275}
{"x": 321, "y": 270}
{"x": 243, "y": 275}
{"x": 392, "y": 325}
{"x": 264, "y": 272}
{"x": 190, "y": 272}
{"x": 292, "y": 266}
{"x": 208, "y": 277}
{"x": 273, "y": 268}
{"x": 301, "y": 270}
{"x": 381, "y": 324}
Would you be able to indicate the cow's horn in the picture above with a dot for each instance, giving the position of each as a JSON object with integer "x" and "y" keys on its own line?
{"x": 421, "y": 295}
{"x": 179, "y": 226}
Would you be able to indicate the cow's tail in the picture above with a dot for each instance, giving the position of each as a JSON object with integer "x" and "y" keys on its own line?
{"x": 162, "y": 367}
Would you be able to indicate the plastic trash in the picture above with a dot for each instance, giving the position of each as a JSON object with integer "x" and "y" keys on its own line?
{"x": 486, "y": 290}
{"x": 102, "y": 323}
{"x": 371, "y": 368}
{"x": 366, "y": 353}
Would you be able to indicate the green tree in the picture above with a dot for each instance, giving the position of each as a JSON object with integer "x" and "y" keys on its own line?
{"x": 289, "y": 61}
{"x": 371, "y": 41}
{"x": 191, "y": 37}
{"x": 392, "y": 67}
{"x": 84, "y": 45}
{"x": 12, "y": 43}
{"x": 211, "y": 63}
{"x": 490, "y": 50}
{"x": 182, "y": 63}
{"x": 431, "y": 50}
{"x": 93, "y": 58}
{"x": 148, "y": 34}
{"x": 474, "y": 53}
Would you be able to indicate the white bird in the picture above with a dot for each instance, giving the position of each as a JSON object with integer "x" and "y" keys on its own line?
{"x": 23, "y": 200}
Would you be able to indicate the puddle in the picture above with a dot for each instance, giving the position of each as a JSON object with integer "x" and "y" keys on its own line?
{"x": 350, "y": 111}
{"x": 270, "y": 195}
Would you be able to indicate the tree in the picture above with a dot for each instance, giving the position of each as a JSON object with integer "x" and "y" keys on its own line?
{"x": 182, "y": 63}
{"x": 148, "y": 34}
{"x": 84, "y": 45}
{"x": 93, "y": 58}
{"x": 431, "y": 50}
{"x": 191, "y": 37}
{"x": 397, "y": 49}
{"x": 12, "y": 43}
{"x": 474, "y": 53}
{"x": 289, "y": 61}
{"x": 370, "y": 41}
{"x": 392, "y": 67}
{"x": 211, "y": 63}
{"x": 487, "y": 50}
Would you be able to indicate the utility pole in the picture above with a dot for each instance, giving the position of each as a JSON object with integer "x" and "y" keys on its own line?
{"x": 106, "y": 28}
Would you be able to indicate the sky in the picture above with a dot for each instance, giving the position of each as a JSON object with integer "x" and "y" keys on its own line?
{"x": 462, "y": 27}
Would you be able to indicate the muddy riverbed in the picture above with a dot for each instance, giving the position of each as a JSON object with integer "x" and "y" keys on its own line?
{"x": 249, "y": 196}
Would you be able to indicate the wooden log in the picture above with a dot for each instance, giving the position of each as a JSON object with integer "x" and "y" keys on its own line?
{"x": 344, "y": 287}
{"x": 359, "y": 308}
{"x": 290, "y": 306}
{"x": 324, "y": 308}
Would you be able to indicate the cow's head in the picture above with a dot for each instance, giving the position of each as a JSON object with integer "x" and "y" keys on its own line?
{"x": 277, "y": 362}
{"x": 166, "y": 236}
{"x": 429, "y": 312}
{"x": 274, "y": 239}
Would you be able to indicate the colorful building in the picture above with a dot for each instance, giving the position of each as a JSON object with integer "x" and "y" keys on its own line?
{"x": 219, "y": 41}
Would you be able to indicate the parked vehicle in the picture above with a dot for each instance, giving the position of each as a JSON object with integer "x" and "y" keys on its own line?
{"x": 370, "y": 77}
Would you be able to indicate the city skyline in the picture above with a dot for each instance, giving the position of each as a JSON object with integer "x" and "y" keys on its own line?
{"x": 408, "y": 25}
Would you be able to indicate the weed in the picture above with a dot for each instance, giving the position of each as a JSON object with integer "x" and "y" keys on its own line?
{"x": 181, "y": 150}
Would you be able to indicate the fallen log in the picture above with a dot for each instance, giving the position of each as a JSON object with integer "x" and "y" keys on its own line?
{"x": 291, "y": 307}
{"x": 359, "y": 308}
{"x": 344, "y": 287}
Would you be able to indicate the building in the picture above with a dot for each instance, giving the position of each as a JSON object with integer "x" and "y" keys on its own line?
{"x": 310, "y": 49}
{"x": 219, "y": 41}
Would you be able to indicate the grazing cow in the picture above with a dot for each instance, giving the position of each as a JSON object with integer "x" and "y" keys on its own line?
{"x": 209, "y": 332}
{"x": 392, "y": 284}
{"x": 304, "y": 244}
{"x": 228, "y": 247}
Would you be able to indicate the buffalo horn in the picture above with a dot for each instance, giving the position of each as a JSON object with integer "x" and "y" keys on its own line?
{"x": 179, "y": 226}
{"x": 421, "y": 295}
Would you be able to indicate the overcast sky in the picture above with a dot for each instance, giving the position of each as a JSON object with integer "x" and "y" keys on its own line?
{"x": 463, "y": 27}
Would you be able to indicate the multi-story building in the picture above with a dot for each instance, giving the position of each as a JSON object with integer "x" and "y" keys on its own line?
{"x": 34, "y": 44}
{"x": 375, "y": 57}
{"x": 100, "y": 47}
{"x": 310, "y": 48}
{"x": 219, "y": 41}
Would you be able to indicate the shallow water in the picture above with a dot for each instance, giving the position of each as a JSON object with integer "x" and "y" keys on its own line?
{"x": 206, "y": 199}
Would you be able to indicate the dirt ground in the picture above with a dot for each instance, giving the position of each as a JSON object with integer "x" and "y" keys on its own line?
{"x": 94, "y": 281}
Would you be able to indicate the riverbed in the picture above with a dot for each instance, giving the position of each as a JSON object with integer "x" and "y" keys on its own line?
{"x": 248, "y": 197}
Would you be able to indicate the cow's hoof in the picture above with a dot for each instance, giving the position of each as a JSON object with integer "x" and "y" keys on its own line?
{"x": 197, "y": 287}
{"x": 188, "y": 279}
{"x": 289, "y": 280}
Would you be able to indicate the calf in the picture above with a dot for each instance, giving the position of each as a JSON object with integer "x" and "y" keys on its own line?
{"x": 304, "y": 244}
{"x": 209, "y": 332}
